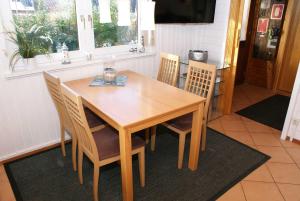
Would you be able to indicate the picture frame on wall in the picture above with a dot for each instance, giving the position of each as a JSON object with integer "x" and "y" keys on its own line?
{"x": 262, "y": 25}
{"x": 265, "y": 4}
{"x": 277, "y": 11}
{"x": 272, "y": 43}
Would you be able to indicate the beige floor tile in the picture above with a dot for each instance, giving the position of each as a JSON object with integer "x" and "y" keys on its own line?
{"x": 277, "y": 135}
{"x": 255, "y": 127}
{"x": 231, "y": 117}
{"x": 253, "y": 146}
{"x": 260, "y": 174}
{"x": 261, "y": 191}
{"x": 287, "y": 143}
{"x": 234, "y": 194}
{"x": 290, "y": 192}
{"x": 275, "y": 131}
{"x": 216, "y": 124}
{"x": 294, "y": 153}
{"x": 241, "y": 136}
{"x": 265, "y": 139}
{"x": 229, "y": 125}
{"x": 246, "y": 120}
{"x": 278, "y": 154}
{"x": 285, "y": 173}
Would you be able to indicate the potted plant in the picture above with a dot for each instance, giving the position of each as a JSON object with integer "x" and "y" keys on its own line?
{"x": 31, "y": 41}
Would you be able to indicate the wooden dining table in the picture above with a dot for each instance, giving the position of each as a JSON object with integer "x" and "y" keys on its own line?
{"x": 142, "y": 103}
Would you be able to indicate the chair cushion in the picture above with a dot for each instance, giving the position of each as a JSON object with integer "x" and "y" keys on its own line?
{"x": 92, "y": 119}
{"x": 182, "y": 123}
{"x": 107, "y": 142}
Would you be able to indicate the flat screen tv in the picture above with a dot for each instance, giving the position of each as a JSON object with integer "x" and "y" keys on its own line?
{"x": 184, "y": 11}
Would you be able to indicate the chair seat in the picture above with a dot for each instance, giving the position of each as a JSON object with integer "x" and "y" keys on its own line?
{"x": 92, "y": 119}
{"x": 107, "y": 142}
{"x": 182, "y": 123}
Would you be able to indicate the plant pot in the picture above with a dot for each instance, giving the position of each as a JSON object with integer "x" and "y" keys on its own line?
{"x": 27, "y": 63}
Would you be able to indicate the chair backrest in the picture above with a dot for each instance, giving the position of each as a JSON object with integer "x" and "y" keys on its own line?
{"x": 75, "y": 109}
{"x": 201, "y": 81}
{"x": 168, "y": 69}
{"x": 54, "y": 88}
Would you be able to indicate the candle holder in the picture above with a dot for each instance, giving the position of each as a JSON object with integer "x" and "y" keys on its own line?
{"x": 109, "y": 75}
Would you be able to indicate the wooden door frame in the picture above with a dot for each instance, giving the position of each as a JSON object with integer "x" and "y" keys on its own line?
{"x": 231, "y": 52}
{"x": 287, "y": 34}
{"x": 232, "y": 46}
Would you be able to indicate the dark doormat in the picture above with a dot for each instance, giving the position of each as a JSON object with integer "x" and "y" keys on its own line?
{"x": 48, "y": 176}
{"x": 271, "y": 111}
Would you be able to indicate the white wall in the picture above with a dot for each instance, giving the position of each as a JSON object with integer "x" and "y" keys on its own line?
{"x": 28, "y": 119}
{"x": 291, "y": 126}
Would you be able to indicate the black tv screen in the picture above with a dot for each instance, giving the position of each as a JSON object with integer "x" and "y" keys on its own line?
{"x": 184, "y": 11}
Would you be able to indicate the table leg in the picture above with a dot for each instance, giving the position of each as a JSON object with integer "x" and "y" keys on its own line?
{"x": 126, "y": 164}
{"x": 196, "y": 137}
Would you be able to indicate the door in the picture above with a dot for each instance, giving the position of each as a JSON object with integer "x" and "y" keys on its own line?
{"x": 291, "y": 55}
{"x": 265, "y": 38}
{"x": 245, "y": 46}
{"x": 231, "y": 53}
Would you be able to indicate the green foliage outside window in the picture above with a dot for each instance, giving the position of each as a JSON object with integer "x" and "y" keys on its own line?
{"x": 60, "y": 28}
{"x": 57, "y": 23}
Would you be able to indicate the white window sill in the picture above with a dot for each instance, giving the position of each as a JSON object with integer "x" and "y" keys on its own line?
{"x": 76, "y": 63}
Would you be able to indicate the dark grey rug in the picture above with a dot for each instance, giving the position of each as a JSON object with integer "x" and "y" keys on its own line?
{"x": 271, "y": 111}
{"x": 48, "y": 176}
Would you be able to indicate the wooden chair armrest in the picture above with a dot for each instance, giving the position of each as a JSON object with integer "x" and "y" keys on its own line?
{"x": 98, "y": 128}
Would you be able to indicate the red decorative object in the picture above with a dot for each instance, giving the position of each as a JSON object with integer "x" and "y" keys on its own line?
{"x": 277, "y": 11}
{"x": 262, "y": 26}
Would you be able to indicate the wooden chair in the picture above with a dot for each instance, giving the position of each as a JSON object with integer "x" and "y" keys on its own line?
{"x": 168, "y": 73}
{"x": 200, "y": 80}
{"x": 54, "y": 88}
{"x": 101, "y": 147}
{"x": 169, "y": 69}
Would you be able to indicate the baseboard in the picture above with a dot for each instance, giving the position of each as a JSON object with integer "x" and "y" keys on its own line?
{"x": 31, "y": 151}
{"x": 294, "y": 140}
{"x": 283, "y": 93}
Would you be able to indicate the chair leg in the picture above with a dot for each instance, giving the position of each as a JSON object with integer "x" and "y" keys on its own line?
{"x": 80, "y": 160}
{"x": 96, "y": 182}
{"x": 74, "y": 148}
{"x": 147, "y": 135}
{"x": 141, "y": 156}
{"x": 153, "y": 136}
{"x": 62, "y": 139}
{"x": 181, "y": 150}
{"x": 203, "y": 140}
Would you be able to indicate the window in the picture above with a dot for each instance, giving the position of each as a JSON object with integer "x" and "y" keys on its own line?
{"x": 115, "y": 22}
{"x": 53, "y": 19}
{"x": 80, "y": 24}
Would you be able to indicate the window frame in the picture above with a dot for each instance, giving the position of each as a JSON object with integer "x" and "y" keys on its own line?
{"x": 83, "y": 10}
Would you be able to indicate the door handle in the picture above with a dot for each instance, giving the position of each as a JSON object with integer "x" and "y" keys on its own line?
{"x": 90, "y": 19}
{"x": 82, "y": 19}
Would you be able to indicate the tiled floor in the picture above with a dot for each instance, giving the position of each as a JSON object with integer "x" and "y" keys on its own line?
{"x": 279, "y": 178}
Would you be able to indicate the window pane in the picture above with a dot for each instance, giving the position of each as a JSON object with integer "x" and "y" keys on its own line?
{"x": 54, "y": 22}
{"x": 112, "y": 27}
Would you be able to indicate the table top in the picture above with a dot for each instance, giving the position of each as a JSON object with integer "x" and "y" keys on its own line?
{"x": 141, "y": 99}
